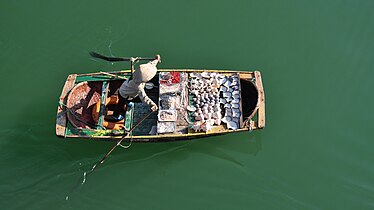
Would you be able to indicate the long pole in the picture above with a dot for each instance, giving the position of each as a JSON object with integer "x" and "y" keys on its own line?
{"x": 113, "y": 148}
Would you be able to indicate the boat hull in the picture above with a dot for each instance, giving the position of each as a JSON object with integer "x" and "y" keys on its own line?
{"x": 254, "y": 116}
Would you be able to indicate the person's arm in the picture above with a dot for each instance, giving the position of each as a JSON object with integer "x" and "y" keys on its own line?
{"x": 145, "y": 99}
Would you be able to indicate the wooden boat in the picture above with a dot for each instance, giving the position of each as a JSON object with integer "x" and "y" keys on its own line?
{"x": 87, "y": 98}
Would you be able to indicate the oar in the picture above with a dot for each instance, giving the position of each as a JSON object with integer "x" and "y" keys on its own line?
{"x": 111, "y": 59}
{"x": 115, "y": 59}
{"x": 113, "y": 148}
{"x": 148, "y": 85}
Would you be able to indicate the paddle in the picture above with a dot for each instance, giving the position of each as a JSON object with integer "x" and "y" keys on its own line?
{"x": 148, "y": 85}
{"x": 116, "y": 59}
{"x": 110, "y": 59}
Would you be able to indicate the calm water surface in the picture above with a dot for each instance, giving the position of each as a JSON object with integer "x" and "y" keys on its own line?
{"x": 316, "y": 58}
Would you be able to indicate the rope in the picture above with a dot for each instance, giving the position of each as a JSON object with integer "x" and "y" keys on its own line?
{"x": 137, "y": 124}
{"x": 85, "y": 174}
{"x": 126, "y": 146}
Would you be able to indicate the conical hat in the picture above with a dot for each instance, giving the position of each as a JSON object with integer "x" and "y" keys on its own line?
{"x": 145, "y": 72}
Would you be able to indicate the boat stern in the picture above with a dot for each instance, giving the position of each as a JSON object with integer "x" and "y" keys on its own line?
{"x": 61, "y": 119}
{"x": 261, "y": 101}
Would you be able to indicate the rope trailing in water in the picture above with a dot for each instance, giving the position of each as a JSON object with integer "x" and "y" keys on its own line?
{"x": 85, "y": 174}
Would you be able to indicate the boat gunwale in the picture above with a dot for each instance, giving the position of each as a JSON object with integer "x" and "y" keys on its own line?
{"x": 168, "y": 70}
{"x": 176, "y": 137}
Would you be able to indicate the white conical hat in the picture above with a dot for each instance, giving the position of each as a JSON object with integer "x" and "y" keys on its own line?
{"x": 145, "y": 72}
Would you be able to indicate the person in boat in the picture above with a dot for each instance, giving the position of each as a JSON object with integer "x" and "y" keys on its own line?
{"x": 134, "y": 89}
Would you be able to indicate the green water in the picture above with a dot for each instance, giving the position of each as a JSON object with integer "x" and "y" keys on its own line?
{"x": 316, "y": 59}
